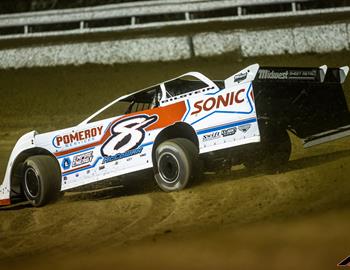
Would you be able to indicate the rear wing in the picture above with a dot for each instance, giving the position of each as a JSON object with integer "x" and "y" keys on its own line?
{"x": 308, "y": 101}
{"x": 299, "y": 75}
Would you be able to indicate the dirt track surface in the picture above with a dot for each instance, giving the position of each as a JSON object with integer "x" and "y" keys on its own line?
{"x": 296, "y": 219}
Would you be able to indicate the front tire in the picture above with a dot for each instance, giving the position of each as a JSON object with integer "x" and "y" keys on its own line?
{"x": 175, "y": 164}
{"x": 41, "y": 182}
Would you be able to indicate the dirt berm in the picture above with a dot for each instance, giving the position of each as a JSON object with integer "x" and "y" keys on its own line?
{"x": 298, "y": 218}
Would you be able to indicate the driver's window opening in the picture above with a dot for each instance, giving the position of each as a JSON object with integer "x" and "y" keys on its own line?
{"x": 137, "y": 107}
{"x": 183, "y": 85}
{"x": 145, "y": 100}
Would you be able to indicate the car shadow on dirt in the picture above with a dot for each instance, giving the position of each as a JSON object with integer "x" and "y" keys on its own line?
{"x": 144, "y": 183}
{"x": 139, "y": 183}
{"x": 292, "y": 165}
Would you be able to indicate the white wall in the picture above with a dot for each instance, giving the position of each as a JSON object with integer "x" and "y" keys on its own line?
{"x": 314, "y": 39}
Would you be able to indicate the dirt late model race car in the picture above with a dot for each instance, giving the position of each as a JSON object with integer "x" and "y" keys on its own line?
{"x": 179, "y": 124}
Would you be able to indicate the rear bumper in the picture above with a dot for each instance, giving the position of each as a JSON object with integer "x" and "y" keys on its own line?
{"x": 4, "y": 194}
{"x": 24, "y": 143}
{"x": 4, "y": 202}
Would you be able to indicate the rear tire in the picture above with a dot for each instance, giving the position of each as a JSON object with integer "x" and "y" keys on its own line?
{"x": 176, "y": 161}
{"x": 272, "y": 152}
{"x": 41, "y": 181}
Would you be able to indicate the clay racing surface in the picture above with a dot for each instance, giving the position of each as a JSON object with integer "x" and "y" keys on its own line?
{"x": 298, "y": 218}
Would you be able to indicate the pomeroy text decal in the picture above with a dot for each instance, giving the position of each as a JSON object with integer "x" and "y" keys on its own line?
{"x": 127, "y": 134}
{"x": 76, "y": 138}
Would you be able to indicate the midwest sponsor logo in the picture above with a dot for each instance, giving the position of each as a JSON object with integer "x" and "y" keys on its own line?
{"x": 122, "y": 155}
{"x": 303, "y": 74}
{"x": 77, "y": 138}
{"x": 272, "y": 75}
{"x": 219, "y": 101}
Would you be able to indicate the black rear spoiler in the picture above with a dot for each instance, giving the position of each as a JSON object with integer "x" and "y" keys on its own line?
{"x": 322, "y": 74}
{"x": 308, "y": 101}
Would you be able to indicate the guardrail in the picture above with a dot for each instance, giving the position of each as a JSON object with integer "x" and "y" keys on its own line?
{"x": 148, "y": 14}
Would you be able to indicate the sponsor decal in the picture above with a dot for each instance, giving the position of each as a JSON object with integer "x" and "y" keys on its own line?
{"x": 240, "y": 77}
{"x": 127, "y": 136}
{"x": 244, "y": 128}
{"x": 66, "y": 163}
{"x": 82, "y": 159}
{"x": 303, "y": 74}
{"x": 219, "y": 101}
{"x": 211, "y": 136}
{"x": 228, "y": 132}
{"x": 270, "y": 74}
{"x": 122, "y": 155}
{"x": 218, "y": 134}
{"x": 76, "y": 138}
{"x": 288, "y": 74}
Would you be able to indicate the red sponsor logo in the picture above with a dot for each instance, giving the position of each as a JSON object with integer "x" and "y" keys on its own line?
{"x": 219, "y": 101}
{"x": 77, "y": 137}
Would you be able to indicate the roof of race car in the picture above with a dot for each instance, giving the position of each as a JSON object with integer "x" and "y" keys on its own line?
{"x": 195, "y": 74}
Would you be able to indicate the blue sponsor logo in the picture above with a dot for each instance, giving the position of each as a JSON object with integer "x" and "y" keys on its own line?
{"x": 122, "y": 155}
{"x": 66, "y": 163}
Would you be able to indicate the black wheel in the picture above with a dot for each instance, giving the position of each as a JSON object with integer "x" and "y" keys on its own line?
{"x": 272, "y": 152}
{"x": 41, "y": 182}
{"x": 175, "y": 164}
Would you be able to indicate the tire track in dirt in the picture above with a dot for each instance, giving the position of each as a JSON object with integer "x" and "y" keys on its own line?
{"x": 84, "y": 223}
{"x": 67, "y": 234}
{"x": 70, "y": 224}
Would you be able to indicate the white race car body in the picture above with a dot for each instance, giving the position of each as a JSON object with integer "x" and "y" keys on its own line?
{"x": 221, "y": 117}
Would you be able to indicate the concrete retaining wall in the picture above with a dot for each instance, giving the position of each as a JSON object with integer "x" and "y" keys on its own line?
{"x": 107, "y": 52}
{"x": 315, "y": 39}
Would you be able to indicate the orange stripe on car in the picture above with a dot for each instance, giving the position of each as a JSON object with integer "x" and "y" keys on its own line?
{"x": 167, "y": 116}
